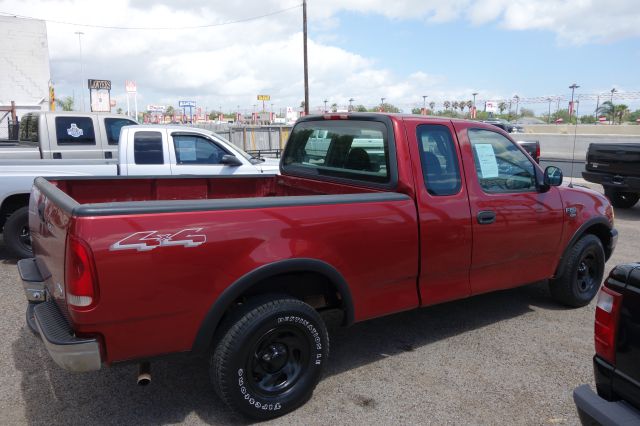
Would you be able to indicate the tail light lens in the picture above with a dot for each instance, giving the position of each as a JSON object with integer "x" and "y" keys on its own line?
{"x": 606, "y": 326}
{"x": 80, "y": 276}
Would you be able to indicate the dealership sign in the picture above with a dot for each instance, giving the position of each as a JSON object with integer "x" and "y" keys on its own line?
{"x": 187, "y": 104}
{"x": 100, "y": 95}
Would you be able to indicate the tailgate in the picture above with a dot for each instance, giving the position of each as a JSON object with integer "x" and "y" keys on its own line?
{"x": 619, "y": 159}
{"x": 49, "y": 221}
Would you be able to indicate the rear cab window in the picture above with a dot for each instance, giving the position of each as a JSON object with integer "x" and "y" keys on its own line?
{"x": 29, "y": 130}
{"x": 113, "y": 127}
{"x": 354, "y": 150}
{"x": 148, "y": 148}
{"x": 75, "y": 131}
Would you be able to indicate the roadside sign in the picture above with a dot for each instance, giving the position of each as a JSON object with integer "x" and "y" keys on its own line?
{"x": 264, "y": 97}
{"x": 100, "y": 84}
{"x": 156, "y": 108}
{"x": 100, "y": 95}
{"x": 130, "y": 86}
{"x": 187, "y": 104}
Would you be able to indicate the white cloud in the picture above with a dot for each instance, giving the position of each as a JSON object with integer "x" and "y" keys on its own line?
{"x": 229, "y": 65}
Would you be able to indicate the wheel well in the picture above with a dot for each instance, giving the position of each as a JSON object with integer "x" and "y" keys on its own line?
{"x": 604, "y": 235}
{"x": 11, "y": 204}
{"x": 312, "y": 281}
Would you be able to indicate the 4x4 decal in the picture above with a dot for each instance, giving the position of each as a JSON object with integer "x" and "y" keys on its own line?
{"x": 149, "y": 240}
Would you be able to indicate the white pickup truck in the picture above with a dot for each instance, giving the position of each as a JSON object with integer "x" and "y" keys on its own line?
{"x": 66, "y": 135}
{"x": 152, "y": 150}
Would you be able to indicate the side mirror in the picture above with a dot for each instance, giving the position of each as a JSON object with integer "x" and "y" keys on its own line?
{"x": 552, "y": 176}
{"x": 230, "y": 160}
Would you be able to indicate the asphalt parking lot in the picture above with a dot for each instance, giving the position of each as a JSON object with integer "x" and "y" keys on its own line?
{"x": 511, "y": 357}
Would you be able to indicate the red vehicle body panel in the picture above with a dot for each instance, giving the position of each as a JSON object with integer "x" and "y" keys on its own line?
{"x": 413, "y": 251}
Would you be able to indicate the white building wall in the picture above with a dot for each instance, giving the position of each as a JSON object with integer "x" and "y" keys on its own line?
{"x": 24, "y": 65}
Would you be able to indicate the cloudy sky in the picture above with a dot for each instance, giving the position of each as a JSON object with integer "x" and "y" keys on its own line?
{"x": 215, "y": 53}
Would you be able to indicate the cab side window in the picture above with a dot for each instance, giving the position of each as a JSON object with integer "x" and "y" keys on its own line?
{"x": 439, "y": 160}
{"x": 75, "y": 131}
{"x": 191, "y": 149}
{"x": 500, "y": 165}
{"x": 113, "y": 126}
{"x": 147, "y": 148}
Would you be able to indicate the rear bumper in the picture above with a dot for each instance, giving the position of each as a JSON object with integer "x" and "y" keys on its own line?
{"x": 623, "y": 183}
{"x": 68, "y": 351}
{"x": 594, "y": 409}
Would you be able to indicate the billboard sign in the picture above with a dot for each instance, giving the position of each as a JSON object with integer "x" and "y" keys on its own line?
{"x": 187, "y": 104}
{"x": 491, "y": 106}
{"x": 130, "y": 86}
{"x": 156, "y": 108}
{"x": 264, "y": 97}
{"x": 99, "y": 92}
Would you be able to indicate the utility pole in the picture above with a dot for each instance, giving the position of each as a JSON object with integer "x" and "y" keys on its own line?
{"x": 325, "y": 106}
{"x": 595, "y": 114}
{"x": 549, "y": 114}
{"x": 382, "y": 104}
{"x": 473, "y": 113}
{"x": 573, "y": 87}
{"x": 424, "y": 104}
{"x": 517, "y": 98}
{"x": 613, "y": 110}
{"x": 80, "y": 34}
{"x": 351, "y": 104}
{"x": 306, "y": 63}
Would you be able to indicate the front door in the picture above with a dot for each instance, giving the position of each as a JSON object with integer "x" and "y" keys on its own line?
{"x": 516, "y": 228}
{"x": 443, "y": 211}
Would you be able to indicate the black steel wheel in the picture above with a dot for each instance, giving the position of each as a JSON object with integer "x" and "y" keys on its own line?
{"x": 621, "y": 199}
{"x": 16, "y": 233}
{"x": 270, "y": 358}
{"x": 582, "y": 273}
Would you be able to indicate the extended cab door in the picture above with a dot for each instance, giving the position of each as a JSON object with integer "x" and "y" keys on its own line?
{"x": 196, "y": 154}
{"x": 443, "y": 211}
{"x": 109, "y": 131}
{"x": 146, "y": 152}
{"x": 516, "y": 228}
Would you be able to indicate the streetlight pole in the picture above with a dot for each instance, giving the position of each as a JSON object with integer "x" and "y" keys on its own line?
{"x": 517, "y": 98}
{"x": 549, "y": 114}
{"x": 573, "y": 87}
{"x": 382, "y": 104}
{"x": 351, "y": 104}
{"x": 424, "y": 104}
{"x": 473, "y": 113}
{"x": 613, "y": 110}
{"x": 325, "y": 106}
{"x": 80, "y": 34}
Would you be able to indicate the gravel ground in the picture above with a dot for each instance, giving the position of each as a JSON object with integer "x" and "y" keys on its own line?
{"x": 511, "y": 357}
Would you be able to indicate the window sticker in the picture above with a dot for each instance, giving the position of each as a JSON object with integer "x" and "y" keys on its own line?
{"x": 188, "y": 150}
{"x": 74, "y": 131}
{"x": 487, "y": 160}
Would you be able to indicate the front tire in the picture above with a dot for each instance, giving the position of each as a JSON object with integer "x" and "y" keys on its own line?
{"x": 621, "y": 199}
{"x": 582, "y": 275}
{"x": 271, "y": 358}
{"x": 16, "y": 233}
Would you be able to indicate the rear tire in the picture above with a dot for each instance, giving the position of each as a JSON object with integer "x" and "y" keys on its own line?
{"x": 16, "y": 233}
{"x": 269, "y": 361}
{"x": 582, "y": 274}
{"x": 621, "y": 199}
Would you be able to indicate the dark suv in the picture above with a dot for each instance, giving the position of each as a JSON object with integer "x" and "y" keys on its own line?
{"x": 617, "y": 359}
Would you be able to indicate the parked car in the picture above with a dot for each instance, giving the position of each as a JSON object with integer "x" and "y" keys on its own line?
{"x": 153, "y": 150}
{"x": 420, "y": 211}
{"x": 617, "y": 359}
{"x": 505, "y": 125}
{"x": 66, "y": 135}
{"x": 617, "y": 168}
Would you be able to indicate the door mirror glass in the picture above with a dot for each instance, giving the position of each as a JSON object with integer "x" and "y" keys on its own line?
{"x": 553, "y": 176}
{"x": 230, "y": 160}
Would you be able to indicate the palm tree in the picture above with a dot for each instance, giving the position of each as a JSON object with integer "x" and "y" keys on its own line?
{"x": 170, "y": 111}
{"x": 501, "y": 107}
{"x": 66, "y": 104}
{"x": 621, "y": 111}
{"x": 462, "y": 105}
{"x": 608, "y": 109}
{"x": 454, "y": 105}
{"x": 446, "y": 105}
{"x": 334, "y": 107}
{"x": 432, "y": 105}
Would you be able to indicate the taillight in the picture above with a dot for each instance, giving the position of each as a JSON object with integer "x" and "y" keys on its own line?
{"x": 607, "y": 314}
{"x": 80, "y": 277}
{"x": 336, "y": 116}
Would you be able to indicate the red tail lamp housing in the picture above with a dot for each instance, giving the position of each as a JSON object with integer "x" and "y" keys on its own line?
{"x": 80, "y": 275}
{"x": 606, "y": 325}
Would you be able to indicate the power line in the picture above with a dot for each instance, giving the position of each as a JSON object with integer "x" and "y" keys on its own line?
{"x": 190, "y": 27}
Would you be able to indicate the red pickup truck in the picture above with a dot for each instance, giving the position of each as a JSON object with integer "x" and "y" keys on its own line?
{"x": 372, "y": 214}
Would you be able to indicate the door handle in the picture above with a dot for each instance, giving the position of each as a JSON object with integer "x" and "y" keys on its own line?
{"x": 486, "y": 217}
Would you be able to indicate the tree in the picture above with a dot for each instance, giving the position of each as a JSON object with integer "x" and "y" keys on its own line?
{"x": 432, "y": 105}
{"x": 454, "y": 105}
{"x": 119, "y": 111}
{"x": 462, "y": 105}
{"x": 526, "y": 112}
{"x": 66, "y": 104}
{"x": 587, "y": 119}
{"x": 501, "y": 107}
{"x": 446, "y": 105}
{"x": 607, "y": 108}
{"x": 469, "y": 105}
{"x": 334, "y": 107}
{"x": 621, "y": 112}
{"x": 360, "y": 108}
{"x": 416, "y": 111}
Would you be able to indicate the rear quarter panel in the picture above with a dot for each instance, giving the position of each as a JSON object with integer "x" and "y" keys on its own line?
{"x": 153, "y": 301}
